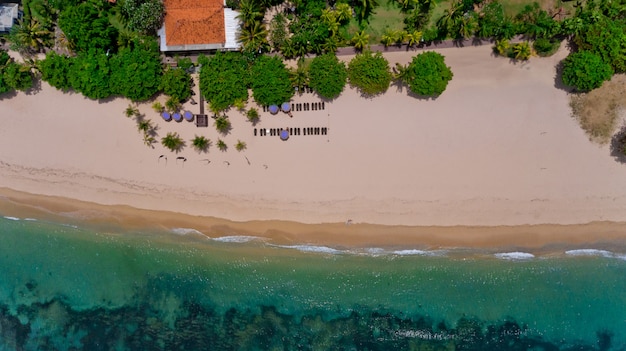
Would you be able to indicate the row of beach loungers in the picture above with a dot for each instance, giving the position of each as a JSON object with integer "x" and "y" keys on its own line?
{"x": 304, "y": 106}
{"x": 292, "y": 131}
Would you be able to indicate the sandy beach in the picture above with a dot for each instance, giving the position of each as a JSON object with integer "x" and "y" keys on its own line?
{"x": 498, "y": 148}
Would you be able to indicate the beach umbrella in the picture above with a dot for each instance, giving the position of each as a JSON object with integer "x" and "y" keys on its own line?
{"x": 273, "y": 109}
{"x": 177, "y": 117}
{"x": 286, "y": 107}
{"x": 188, "y": 116}
{"x": 284, "y": 134}
{"x": 166, "y": 116}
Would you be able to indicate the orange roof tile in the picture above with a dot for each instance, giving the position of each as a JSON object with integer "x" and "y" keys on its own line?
{"x": 194, "y": 22}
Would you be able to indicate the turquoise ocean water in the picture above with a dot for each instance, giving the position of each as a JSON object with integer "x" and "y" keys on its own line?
{"x": 80, "y": 287}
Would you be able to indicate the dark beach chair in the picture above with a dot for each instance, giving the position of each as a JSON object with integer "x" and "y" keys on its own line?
{"x": 254, "y": 131}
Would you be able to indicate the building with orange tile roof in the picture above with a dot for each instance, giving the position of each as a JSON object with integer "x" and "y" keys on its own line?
{"x": 198, "y": 25}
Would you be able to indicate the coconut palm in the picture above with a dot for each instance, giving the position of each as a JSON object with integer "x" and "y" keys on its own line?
{"x": 172, "y": 104}
{"x": 200, "y": 143}
{"x": 343, "y": 12}
{"x": 222, "y": 124}
{"x": 288, "y": 49}
{"x": 254, "y": 38}
{"x": 145, "y": 126}
{"x": 387, "y": 38}
{"x": 328, "y": 15}
{"x": 364, "y": 9}
{"x": 450, "y": 17}
{"x": 131, "y": 111}
{"x": 502, "y": 47}
{"x": 173, "y": 141}
{"x": 400, "y": 72}
{"x": 522, "y": 51}
{"x": 299, "y": 75}
{"x": 221, "y": 145}
{"x": 331, "y": 44}
{"x": 240, "y": 146}
{"x": 158, "y": 107}
{"x": 333, "y": 26}
{"x": 253, "y": 115}
{"x": 149, "y": 140}
{"x": 30, "y": 36}
{"x": 360, "y": 40}
{"x": 249, "y": 13}
{"x": 413, "y": 38}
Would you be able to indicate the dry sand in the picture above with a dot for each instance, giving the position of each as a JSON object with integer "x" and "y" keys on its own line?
{"x": 499, "y": 147}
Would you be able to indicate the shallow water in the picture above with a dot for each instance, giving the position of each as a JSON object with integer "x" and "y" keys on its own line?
{"x": 82, "y": 287}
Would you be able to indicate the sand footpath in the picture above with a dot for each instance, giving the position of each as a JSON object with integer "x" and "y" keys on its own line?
{"x": 499, "y": 147}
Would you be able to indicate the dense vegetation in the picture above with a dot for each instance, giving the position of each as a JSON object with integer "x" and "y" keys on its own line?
{"x": 426, "y": 75}
{"x": 585, "y": 71}
{"x": 370, "y": 73}
{"x": 270, "y": 81}
{"x": 224, "y": 79}
{"x": 327, "y": 76}
{"x": 13, "y": 75}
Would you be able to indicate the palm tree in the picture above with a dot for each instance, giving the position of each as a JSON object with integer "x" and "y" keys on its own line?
{"x": 145, "y": 126}
{"x": 30, "y": 36}
{"x": 406, "y": 5}
{"x": 288, "y": 49}
{"x": 253, "y": 115}
{"x": 249, "y": 13}
{"x": 387, "y": 38}
{"x": 328, "y": 16}
{"x": 333, "y": 26}
{"x": 450, "y": 17}
{"x": 173, "y": 141}
{"x": 200, "y": 143}
{"x": 172, "y": 104}
{"x": 331, "y": 44}
{"x": 343, "y": 12}
{"x": 299, "y": 76}
{"x": 240, "y": 146}
{"x": 400, "y": 72}
{"x": 254, "y": 38}
{"x": 222, "y": 124}
{"x": 221, "y": 145}
{"x": 131, "y": 111}
{"x": 149, "y": 140}
{"x": 364, "y": 9}
{"x": 158, "y": 107}
{"x": 413, "y": 38}
{"x": 522, "y": 51}
{"x": 360, "y": 40}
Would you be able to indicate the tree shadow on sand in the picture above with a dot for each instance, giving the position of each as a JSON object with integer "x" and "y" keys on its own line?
{"x": 618, "y": 145}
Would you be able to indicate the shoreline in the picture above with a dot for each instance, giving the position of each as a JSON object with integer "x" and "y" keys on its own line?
{"x": 543, "y": 239}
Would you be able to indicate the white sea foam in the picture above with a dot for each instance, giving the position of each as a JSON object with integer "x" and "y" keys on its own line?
{"x": 590, "y": 252}
{"x": 11, "y": 218}
{"x": 409, "y": 252}
{"x": 311, "y": 248}
{"x": 515, "y": 255}
{"x": 237, "y": 238}
{"x": 30, "y": 219}
{"x": 185, "y": 231}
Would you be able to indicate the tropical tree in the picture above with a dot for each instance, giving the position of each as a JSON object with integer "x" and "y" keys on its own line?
{"x": 176, "y": 83}
{"x": 327, "y": 76}
{"x": 173, "y": 142}
{"x": 364, "y": 9}
{"x": 136, "y": 71}
{"x": 360, "y": 40}
{"x": 222, "y": 124}
{"x": 131, "y": 111}
{"x": 172, "y": 104}
{"x": 224, "y": 79}
{"x": 55, "y": 69}
{"x": 427, "y": 74}
{"x": 158, "y": 107}
{"x": 387, "y": 38}
{"x": 253, "y": 115}
{"x": 585, "y": 71}
{"x": 278, "y": 31}
{"x": 413, "y": 38}
{"x": 270, "y": 81}
{"x": 451, "y": 17}
{"x": 143, "y": 16}
{"x": 145, "y": 126}
{"x": 90, "y": 74}
{"x": 240, "y": 146}
{"x": 331, "y": 44}
{"x": 288, "y": 49}
{"x": 299, "y": 75}
{"x": 86, "y": 27}
{"x": 502, "y": 47}
{"x": 17, "y": 76}
{"x": 343, "y": 12}
{"x": 200, "y": 143}
{"x": 369, "y": 73}
{"x": 222, "y": 145}
{"x": 249, "y": 13}
{"x": 29, "y": 36}
{"x": 254, "y": 38}
{"x": 606, "y": 38}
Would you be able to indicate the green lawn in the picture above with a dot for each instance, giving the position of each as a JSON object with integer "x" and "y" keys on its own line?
{"x": 386, "y": 16}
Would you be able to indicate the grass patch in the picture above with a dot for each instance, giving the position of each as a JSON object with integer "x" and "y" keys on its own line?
{"x": 598, "y": 111}
{"x": 386, "y": 16}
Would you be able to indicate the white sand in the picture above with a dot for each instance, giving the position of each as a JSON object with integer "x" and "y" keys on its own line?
{"x": 497, "y": 148}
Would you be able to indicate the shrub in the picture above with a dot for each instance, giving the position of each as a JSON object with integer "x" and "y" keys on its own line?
{"x": 177, "y": 84}
{"x": 585, "y": 71}
{"x": 546, "y": 47}
{"x": 369, "y": 73}
{"x": 223, "y": 79}
{"x": 427, "y": 74}
{"x": 327, "y": 76}
{"x": 270, "y": 81}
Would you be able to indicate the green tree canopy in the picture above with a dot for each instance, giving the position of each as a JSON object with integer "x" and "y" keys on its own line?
{"x": 427, "y": 74}
{"x": 17, "y": 76}
{"x": 90, "y": 73}
{"x": 86, "y": 26}
{"x": 606, "y": 38}
{"x": 369, "y": 73}
{"x": 176, "y": 83}
{"x": 585, "y": 70}
{"x": 136, "y": 72}
{"x": 270, "y": 81}
{"x": 223, "y": 79}
{"x": 327, "y": 76}
{"x": 143, "y": 16}
{"x": 55, "y": 70}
